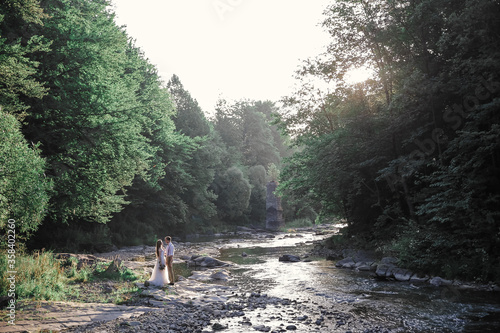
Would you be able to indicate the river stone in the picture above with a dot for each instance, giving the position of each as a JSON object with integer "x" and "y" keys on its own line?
{"x": 220, "y": 275}
{"x": 218, "y": 327}
{"x": 416, "y": 278}
{"x": 262, "y": 328}
{"x": 437, "y": 281}
{"x": 289, "y": 258}
{"x": 366, "y": 267}
{"x": 401, "y": 274}
{"x": 206, "y": 262}
{"x": 389, "y": 261}
{"x": 384, "y": 270}
{"x": 114, "y": 267}
{"x": 465, "y": 287}
{"x": 363, "y": 263}
{"x": 345, "y": 263}
{"x": 390, "y": 272}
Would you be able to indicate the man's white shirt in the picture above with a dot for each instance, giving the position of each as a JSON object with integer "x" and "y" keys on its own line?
{"x": 170, "y": 249}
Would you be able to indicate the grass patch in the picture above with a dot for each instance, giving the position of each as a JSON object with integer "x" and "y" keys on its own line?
{"x": 41, "y": 277}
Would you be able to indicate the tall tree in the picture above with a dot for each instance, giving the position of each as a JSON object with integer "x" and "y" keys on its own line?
{"x": 233, "y": 194}
{"x": 257, "y": 203}
{"x": 191, "y": 120}
{"x": 189, "y": 117}
{"x": 18, "y": 40}
{"x": 24, "y": 189}
{"x": 158, "y": 198}
{"x": 105, "y": 124}
{"x": 247, "y": 131}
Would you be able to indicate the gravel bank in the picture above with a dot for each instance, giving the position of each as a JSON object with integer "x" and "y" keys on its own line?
{"x": 243, "y": 313}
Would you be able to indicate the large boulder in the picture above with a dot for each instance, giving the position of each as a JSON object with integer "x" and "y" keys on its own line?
{"x": 387, "y": 267}
{"x": 385, "y": 271}
{"x": 345, "y": 263}
{"x": 389, "y": 261}
{"x": 360, "y": 260}
{"x": 437, "y": 281}
{"x": 365, "y": 266}
{"x": 205, "y": 261}
{"x": 114, "y": 266}
{"x": 401, "y": 274}
{"x": 219, "y": 274}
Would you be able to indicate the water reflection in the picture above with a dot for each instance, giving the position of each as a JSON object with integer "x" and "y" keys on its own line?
{"x": 404, "y": 307}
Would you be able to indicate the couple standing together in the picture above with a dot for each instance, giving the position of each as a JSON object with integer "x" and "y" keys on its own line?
{"x": 164, "y": 259}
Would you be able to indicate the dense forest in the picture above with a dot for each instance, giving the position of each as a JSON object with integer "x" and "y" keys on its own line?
{"x": 410, "y": 158}
{"x": 95, "y": 149}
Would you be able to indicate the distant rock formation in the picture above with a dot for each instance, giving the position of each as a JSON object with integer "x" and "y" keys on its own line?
{"x": 274, "y": 211}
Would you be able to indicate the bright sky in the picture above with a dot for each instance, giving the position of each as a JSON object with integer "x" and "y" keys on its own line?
{"x": 232, "y": 49}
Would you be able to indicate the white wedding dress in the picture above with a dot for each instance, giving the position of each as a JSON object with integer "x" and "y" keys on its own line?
{"x": 159, "y": 277}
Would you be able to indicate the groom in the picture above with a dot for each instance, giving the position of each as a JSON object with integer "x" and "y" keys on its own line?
{"x": 170, "y": 259}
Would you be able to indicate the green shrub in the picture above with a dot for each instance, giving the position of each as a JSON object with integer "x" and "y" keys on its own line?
{"x": 335, "y": 241}
{"x": 24, "y": 189}
{"x": 122, "y": 274}
{"x": 445, "y": 254}
{"x": 38, "y": 276}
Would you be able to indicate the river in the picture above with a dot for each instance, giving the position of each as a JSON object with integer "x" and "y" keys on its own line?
{"x": 345, "y": 300}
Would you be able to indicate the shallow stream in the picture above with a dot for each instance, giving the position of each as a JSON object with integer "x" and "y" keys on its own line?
{"x": 383, "y": 306}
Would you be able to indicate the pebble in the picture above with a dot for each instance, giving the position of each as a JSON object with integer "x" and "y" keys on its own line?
{"x": 262, "y": 328}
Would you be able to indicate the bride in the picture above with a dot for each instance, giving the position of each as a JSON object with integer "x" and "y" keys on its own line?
{"x": 159, "y": 276}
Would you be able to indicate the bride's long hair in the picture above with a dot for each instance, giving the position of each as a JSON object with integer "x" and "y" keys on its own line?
{"x": 158, "y": 246}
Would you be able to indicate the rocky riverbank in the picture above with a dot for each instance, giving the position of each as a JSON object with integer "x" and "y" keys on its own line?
{"x": 222, "y": 295}
{"x": 237, "y": 315}
{"x": 386, "y": 268}
{"x": 211, "y": 300}
{"x": 208, "y": 300}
